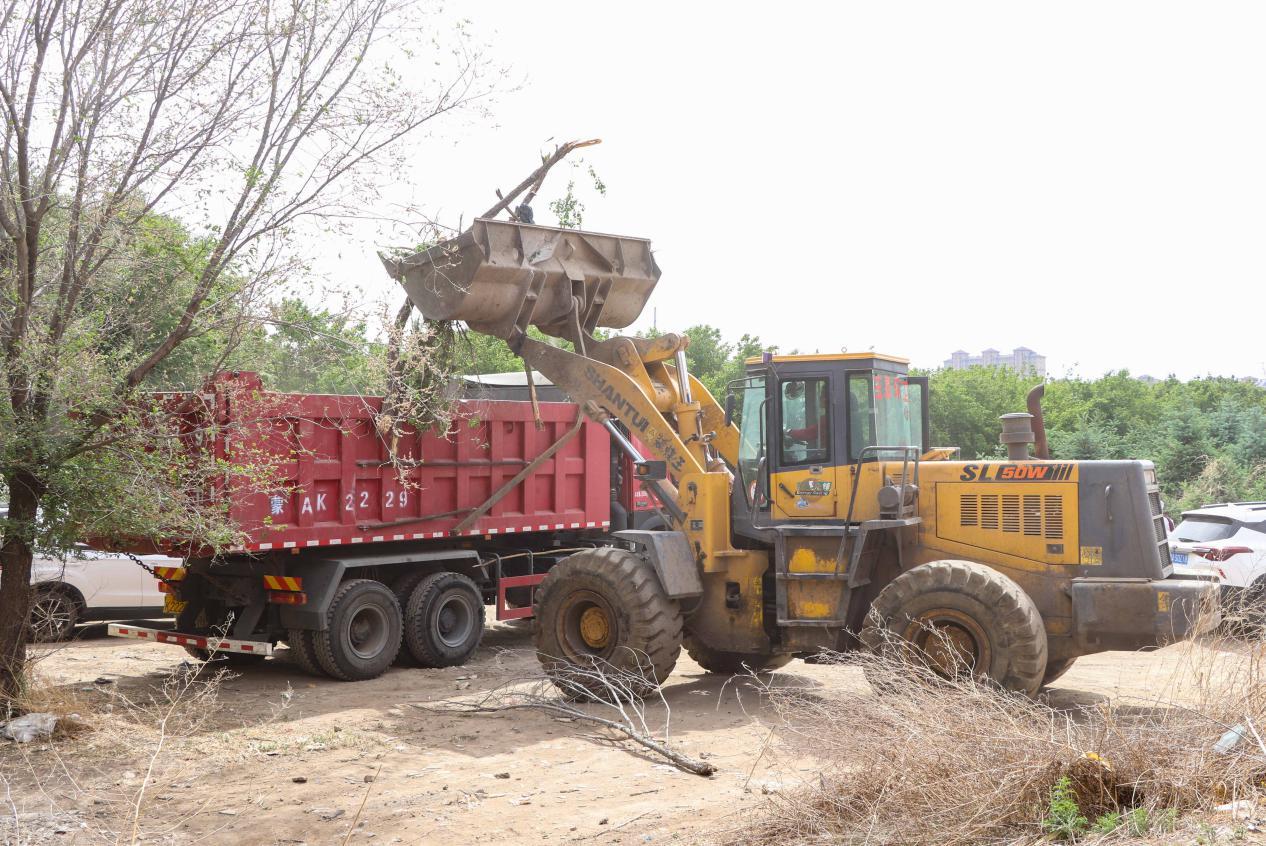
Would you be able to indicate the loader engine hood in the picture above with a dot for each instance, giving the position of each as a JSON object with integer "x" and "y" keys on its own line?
{"x": 485, "y": 277}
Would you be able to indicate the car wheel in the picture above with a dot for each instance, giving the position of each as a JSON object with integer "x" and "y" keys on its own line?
{"x": 53, "y": 616}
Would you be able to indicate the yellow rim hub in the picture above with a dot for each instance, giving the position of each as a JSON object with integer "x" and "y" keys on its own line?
{"x": 594, "y": 627}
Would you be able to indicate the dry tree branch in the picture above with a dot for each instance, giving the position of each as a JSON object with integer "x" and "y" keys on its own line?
{"x": 537, "y": 177}
{"x": 563, "y": 694}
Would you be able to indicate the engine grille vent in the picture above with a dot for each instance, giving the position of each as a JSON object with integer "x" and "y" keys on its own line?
{"x": 1158, "y": 526}
{"x": 1031, "y": 514}
{"x": 969, "y": 510}
{"x": 989, "y": 511}
{"x": 1054, "y": 513}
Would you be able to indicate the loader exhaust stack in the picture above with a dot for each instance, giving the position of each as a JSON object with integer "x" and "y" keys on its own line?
{"x": 500, "y": 277}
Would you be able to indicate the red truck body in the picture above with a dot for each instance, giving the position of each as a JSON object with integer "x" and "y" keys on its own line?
{"x": 338, "y": 485}
{"x": 473, "y": 515}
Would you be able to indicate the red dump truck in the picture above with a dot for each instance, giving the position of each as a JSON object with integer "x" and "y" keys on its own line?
{"x": 357, "y": 559}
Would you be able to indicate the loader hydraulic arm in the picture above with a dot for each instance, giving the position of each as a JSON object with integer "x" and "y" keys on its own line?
{"x": 502, "y": 278}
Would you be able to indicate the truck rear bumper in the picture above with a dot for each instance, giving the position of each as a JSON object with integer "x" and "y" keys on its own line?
{"x": 1128, "y": 614}
{"x": 214, "y": 644}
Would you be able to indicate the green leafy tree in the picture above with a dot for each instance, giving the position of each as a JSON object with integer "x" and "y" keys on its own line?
{"x": 112, "y": 112}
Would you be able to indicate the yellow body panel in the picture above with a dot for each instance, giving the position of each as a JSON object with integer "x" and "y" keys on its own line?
{"x": 806, "y": 493}
{"x": 816, "y": 599}
{"x": 1015, "y": 514}
{"x": 1033, "y": 520}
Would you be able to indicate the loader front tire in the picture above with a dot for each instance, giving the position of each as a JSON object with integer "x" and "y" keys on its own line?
{"x": 958, "y": 617}
{"x": 732, "y": 663}
{"x": 603, "y": 613}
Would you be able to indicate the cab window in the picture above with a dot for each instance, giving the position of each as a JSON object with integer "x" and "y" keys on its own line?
{"x": 879, "y": 413}
{"x": 805, "y": 413}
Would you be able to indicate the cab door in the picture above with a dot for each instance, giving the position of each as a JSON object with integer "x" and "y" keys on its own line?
{"x": 802, "y": 447}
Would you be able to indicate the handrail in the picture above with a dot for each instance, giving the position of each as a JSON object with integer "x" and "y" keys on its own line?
{"x": 906, "y": 452}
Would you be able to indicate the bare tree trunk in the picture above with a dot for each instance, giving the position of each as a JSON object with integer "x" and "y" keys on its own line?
{"x": 16, "y": 552}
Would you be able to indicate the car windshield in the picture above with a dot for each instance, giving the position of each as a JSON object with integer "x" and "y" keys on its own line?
{"x": 1204, "y": 529}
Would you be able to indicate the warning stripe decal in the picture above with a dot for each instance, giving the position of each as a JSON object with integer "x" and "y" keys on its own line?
{"x": 283, "y": 583}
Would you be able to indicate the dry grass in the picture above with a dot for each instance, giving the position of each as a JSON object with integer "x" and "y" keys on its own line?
{"x": 108, "y": 752}
{"x": 930, "y": 761}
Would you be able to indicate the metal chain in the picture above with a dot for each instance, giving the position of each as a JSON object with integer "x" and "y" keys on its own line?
{"x": 139, "y": 563}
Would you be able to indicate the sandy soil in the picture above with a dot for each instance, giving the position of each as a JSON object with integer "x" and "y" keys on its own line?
{"x": 285, "y": 758}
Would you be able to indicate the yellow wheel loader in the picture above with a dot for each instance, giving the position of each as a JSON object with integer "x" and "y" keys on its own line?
{"x": 810, "y": 512}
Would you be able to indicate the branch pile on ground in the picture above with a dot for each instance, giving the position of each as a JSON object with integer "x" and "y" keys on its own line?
{"x": 913, "y": 758}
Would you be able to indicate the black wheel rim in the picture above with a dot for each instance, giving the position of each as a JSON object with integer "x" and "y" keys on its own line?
{"x": 366, "y": 631}
{"x": 453, "y": 620}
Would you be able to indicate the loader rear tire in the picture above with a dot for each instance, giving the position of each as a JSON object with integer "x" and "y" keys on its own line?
{"x": 960, "y": 616}
{"x": 444, "y": 620}
{"x": 1055, "y": 669}
{"x": 732, "y": 663}
{"x": 363, "y": 631}
{"x": 303, "y": 651}
{"x": 603, "y": 611}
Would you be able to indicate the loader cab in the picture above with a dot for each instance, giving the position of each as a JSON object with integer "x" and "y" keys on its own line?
{"x": 806, "y": 422}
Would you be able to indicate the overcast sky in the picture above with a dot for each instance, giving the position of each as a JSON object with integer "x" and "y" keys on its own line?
{"x": 1085, "y": 179}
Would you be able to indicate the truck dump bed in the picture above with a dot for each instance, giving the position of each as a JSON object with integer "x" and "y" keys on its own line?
{"x": 332, "y": 483}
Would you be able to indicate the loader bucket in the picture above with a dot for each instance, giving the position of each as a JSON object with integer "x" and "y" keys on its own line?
{"x": 486, "y": 276}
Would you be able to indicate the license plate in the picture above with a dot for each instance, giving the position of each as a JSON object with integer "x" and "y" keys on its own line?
{"x": 1178, "y": 557}
{"x": 172, "y": 605}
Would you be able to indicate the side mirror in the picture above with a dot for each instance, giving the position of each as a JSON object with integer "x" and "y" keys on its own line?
{"x": 729, "y": 409}
{"x": 650, "y": 471}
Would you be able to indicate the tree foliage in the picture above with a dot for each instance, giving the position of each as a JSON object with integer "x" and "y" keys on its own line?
{"x": 155, "y": 165}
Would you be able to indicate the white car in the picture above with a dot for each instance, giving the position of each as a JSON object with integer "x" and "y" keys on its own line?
{"x": 1230, "y": 539}
{"x": 91, "y": 586}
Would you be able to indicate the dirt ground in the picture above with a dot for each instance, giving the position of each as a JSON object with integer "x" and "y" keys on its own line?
{"x": 285, "y": 758}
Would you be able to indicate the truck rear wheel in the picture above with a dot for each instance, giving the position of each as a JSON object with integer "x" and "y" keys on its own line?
{"x": 362, "y": 634}
{"x": 444, "y": 620}
{"x": 303, "y": 651}
{"x": 732, "y": 663}
{"x": 604, "y": 609}
{"x": 403, "y": 587}
{"x": 961, "y": 616}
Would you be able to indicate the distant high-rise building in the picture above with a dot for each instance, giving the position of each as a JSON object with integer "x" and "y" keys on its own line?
{"x": 1020, "y": 359}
